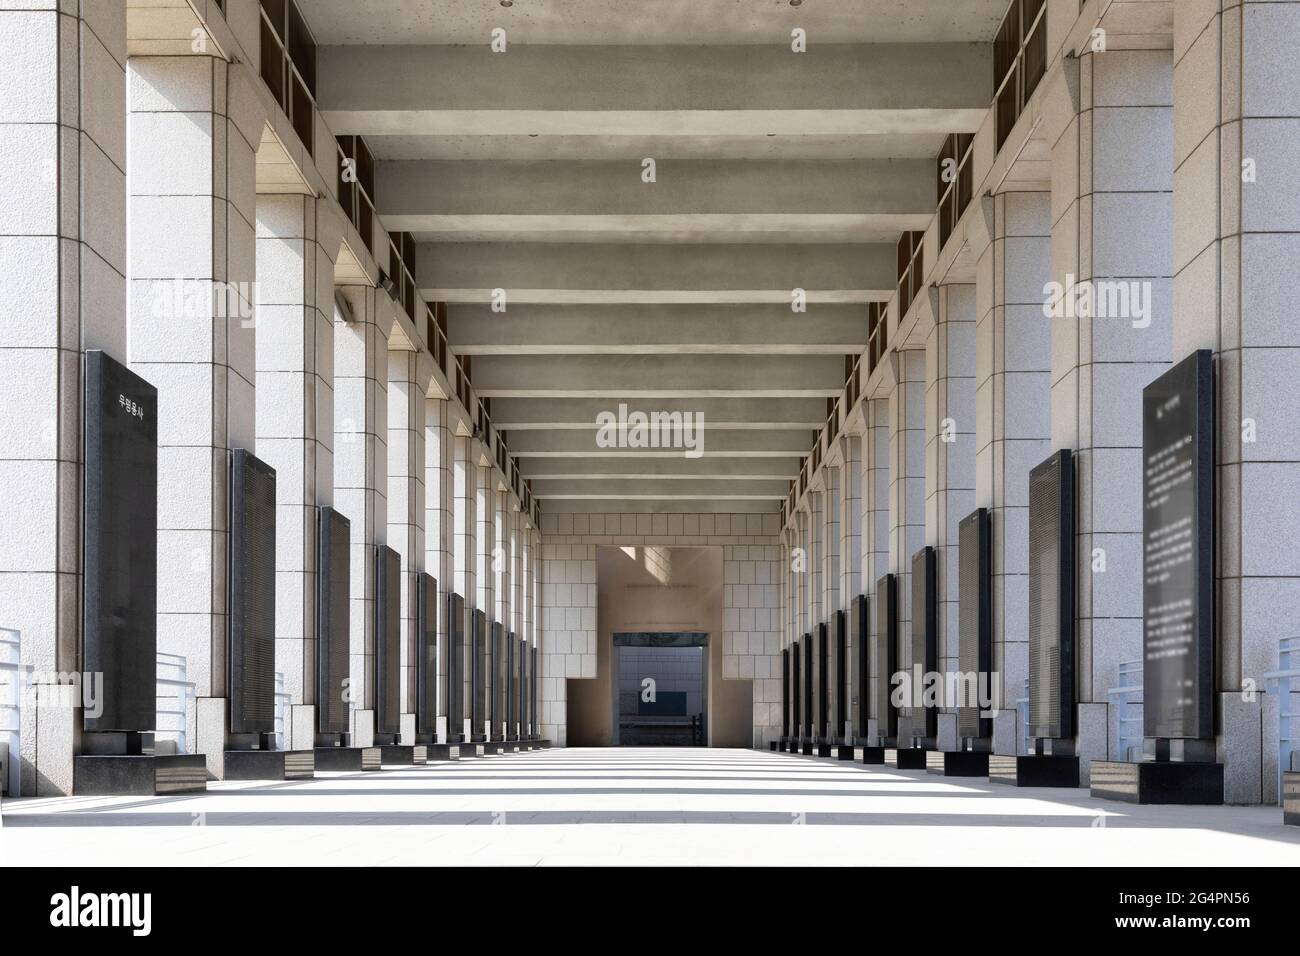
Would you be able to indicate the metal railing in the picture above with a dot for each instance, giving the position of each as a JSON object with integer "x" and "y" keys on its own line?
{"x": 1127, "y": 698}
{"x": 175, "y": 690}
{"x": 12, "y": 671}
{"x": 281, "y": 710}
{"x": 1286, "y": 677}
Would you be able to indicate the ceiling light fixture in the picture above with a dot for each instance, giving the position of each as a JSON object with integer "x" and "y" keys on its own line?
{"x": 507, "y": 3}
{"x": 795, "y": 3}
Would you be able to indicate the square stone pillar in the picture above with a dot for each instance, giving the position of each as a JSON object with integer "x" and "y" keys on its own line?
{"x": 193, "y": 128}
{"x": 502, "y": 587}
{"x": 465, "y": 500}
{"x": 1236, "y": 245}
{"x": 408, "y": 381}
{"x": 361, "y": 475}
{"x": 831, "y": 585}
{"x": 485, "y": 563}
{"x": 875, "y": 513}
{"x": 1010, "y": 240}
{"x": 851, "y": 584}
{"x": 950, "y": 458}
{"x": 906, "y": 475}
{"x": 62, "y": 290}
{"x": 1112, "y": 230}
{"x": 298, "y": 242}
{"x": 439, "y": 537}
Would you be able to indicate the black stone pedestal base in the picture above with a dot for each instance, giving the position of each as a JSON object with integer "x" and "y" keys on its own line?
{"x": 269, "y": 764}
{"x": 771, "y": 745}
{"x": 825, "y": 750}
{"x": 1034, "y": 770}
{"x": 782, "y": 745}
{"x": 1158, "y": 781}
{"x": 146, "y": 775}
{"x": 1291, "y": 798}
{"x": 871, "y": 755}
{"x": 845, "y": 752}
{"x": 348, "y": 758}
{"x": 907, "y": 758}
{"x": 806, "y": 748}
{"x": 403, "y": 755}
{"x": 441, "y": 752}
{"x": 957, "y": 763}
{"x": 481, "y": 748}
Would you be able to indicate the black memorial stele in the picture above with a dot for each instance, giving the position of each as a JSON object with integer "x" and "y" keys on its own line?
{"x": 859, "y": 626}
{"x": 840, "y": 718}
{"x": 250, "y": 752}
{"x": 885, "y": 666}
{"x": 917, "y": 723}
{"x": 334, "y": 747}
{"x": 426, "y": 658}
{"x": 822, "y": 731}
{"x": 119, "y": 626}
{"x": 808, "y": 742}
{"x": 796, "y": 743}
{"x": 455, "y": 668}
{"x": 525, "y": 726}
{"x": 479, "y": 729}
{"x": 974, "y": 647}
{"x": 512, "y": 718}
{"x": 1179, "y": 764}
{"x": 496, "y": 711}
{"x": 781, "y": 744}
{"x": 1051, "y": 633}
{"x": 427, "y": 652}
{"x": 388, "y": 662}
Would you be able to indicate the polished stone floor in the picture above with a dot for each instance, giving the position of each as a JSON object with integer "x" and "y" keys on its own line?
{"x": 636, "y": 806}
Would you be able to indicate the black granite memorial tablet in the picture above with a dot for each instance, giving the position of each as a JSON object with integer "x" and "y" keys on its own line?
{"x": 250, "y": 670}
{"x": 922, "y": 649}
{"x": 796, "y": 691}
{"x": 1178, "y": 551}
{"x": 858, "y": 630}
{"x": 477, "y": 672}
{"x": 1051, "y": 597}
{"x": 974, "y": 620}
{"x": 455, "y": 667}
{"x": 785, "y": 692}
{"x": 809, "y": 713}
{"x": 840, "y": 695}
{"x": 822, "y": 712}
{"x": 388, "y": 641}
{"x": 886, "y": 657}
{"x": 333, "y": 581}
{"x": 426, "y": 655}
{"x": 121, "y": 545}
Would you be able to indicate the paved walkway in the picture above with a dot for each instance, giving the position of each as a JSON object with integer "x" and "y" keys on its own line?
{"x": 636, "y": 806}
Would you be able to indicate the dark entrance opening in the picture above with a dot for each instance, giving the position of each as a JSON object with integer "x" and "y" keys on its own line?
{"x": 661, "y": 689}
